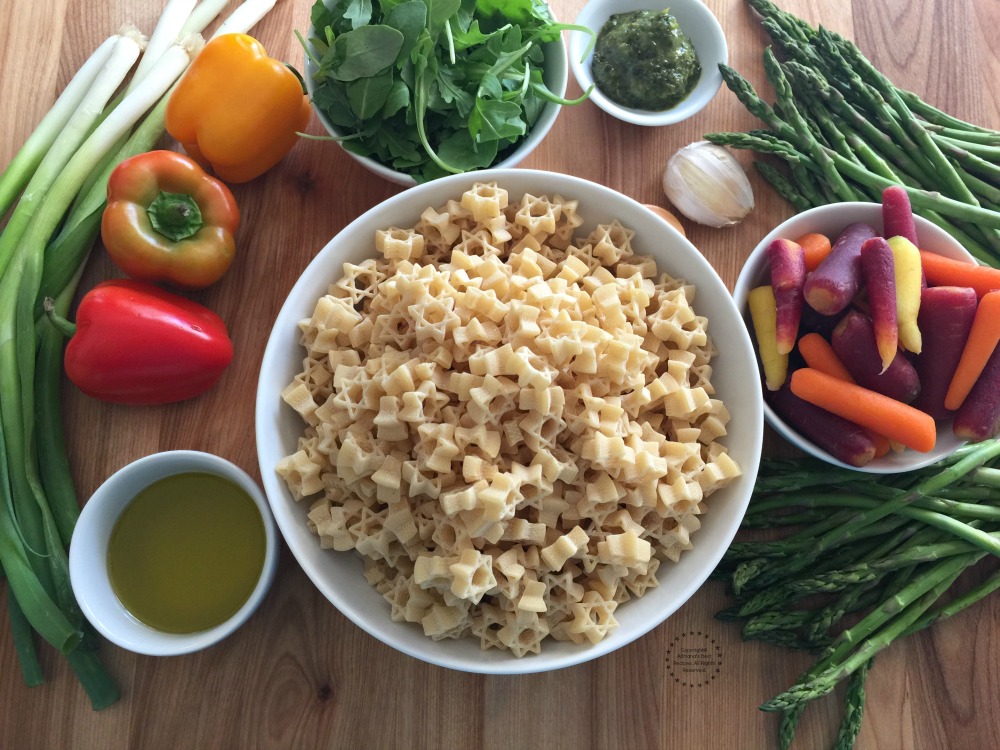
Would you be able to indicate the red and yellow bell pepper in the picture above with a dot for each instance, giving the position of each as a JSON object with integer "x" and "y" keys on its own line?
{"x": 237, "y": 110}
{"x": 135, "y": 343}
{"x": 167, "y": 220}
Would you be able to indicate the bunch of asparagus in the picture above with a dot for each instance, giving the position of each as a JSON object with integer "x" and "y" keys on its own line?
{"x": 846, "y": 133}
{"x": 871, "y": 560}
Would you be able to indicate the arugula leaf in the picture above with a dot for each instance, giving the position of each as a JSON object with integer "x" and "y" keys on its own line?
{"x": 466, "y": 12}
{"x": 365, "y": 52}
{"x": 398, "y": 98}
{"x": 515, "y": 11}
{"x": 460, "y": 152}
{"x": 399, "y": 148}
{"x": 358, "y": 12}
{"x": 493, "y": 120}
{"x": 438, "y": 14}
{"x": 490, "y": 87}
{"x": 470, "y": 37}
{"x": 451, "y": 91}
{"x": 323, "y": 16}
{"x": 368, "y": 95}
{"x": 333, "y": 102}
{"x": 409, "y": 18}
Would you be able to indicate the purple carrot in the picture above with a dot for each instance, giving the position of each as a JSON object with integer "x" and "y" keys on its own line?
{"x": 897, "y": 216}
{"x": 854, "y": 342}
{"x": 842, "y": 439}
{"x": 945, "y": 318}
{"x": 978, "y": 418}
{"x": 788, "y": 276}
{"x": 879, "y": 272}
{"x": 832, "y": 286}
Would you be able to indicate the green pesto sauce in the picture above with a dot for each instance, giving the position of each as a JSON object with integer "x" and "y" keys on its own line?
{"x": 186, "y": 552}
{"x": 643, "y": 60}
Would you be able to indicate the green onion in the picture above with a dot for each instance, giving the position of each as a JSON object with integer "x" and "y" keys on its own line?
{"x": 59, "y": 179}
{"x": 167, "y": 31}
{"x": 24, "y": 163}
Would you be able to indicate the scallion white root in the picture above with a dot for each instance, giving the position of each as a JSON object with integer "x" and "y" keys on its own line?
{"x": 168, "y": 29}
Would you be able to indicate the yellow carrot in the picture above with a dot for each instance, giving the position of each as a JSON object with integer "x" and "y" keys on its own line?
{"x": 906, "y": 263}
{"x": 763, "y": 312}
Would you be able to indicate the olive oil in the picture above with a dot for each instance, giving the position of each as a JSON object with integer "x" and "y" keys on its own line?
{"x": 187, "y": 552}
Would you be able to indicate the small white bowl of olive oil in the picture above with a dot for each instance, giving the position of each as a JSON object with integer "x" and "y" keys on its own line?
{"x": 173, "y": 553}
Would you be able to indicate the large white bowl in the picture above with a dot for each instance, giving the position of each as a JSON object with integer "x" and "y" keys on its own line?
{"x": 694, "y": 19}
{"x": 555, "y": 73}
{"x": 339, "y": 575}
{"x": 831, "y": 220}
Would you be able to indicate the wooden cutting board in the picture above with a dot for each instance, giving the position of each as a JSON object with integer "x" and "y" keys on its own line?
{"x": 299, "y": 674}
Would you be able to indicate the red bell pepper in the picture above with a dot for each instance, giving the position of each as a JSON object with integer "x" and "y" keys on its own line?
{"x": 135, "y": 343}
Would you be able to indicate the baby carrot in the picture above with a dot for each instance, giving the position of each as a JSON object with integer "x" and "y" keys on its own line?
{"x": 819, "y": 355}
{"x": 894, "y": 419}
{"x": 882, "y": 444}
{"x": 897, "y": 215}
{"x": 908, "y": 276}
{"x": 816, "y": 247}
{"x": 764, "y": 315}
{"x": 942, "y": 271}
{"x": 983, "y": 339}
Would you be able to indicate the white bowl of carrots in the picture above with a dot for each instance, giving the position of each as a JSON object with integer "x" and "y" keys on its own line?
{"x": 875, "y": 371}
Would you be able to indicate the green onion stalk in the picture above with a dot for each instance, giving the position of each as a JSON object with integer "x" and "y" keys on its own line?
{"x": 59, "y": 180}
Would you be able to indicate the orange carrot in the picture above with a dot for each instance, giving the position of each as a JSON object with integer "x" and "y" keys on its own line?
{"x": 894, "y": 419}
{"x": 983, "y": 339}
{"x": 882, "y": 444}
{"x": 942, "y": 271}
{"x": 816, "y": 246}
{"x": 819, "y": 355}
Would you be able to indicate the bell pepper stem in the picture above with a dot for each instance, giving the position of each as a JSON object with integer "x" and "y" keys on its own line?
{"x": 298, "y": 75}
{"x": 65, "y": 327}
{"x": 175, "y": 215}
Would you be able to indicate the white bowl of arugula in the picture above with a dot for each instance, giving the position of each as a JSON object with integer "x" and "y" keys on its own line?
{"x": 418, "y": 90}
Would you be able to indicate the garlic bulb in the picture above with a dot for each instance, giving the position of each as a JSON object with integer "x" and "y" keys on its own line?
{"x": 706, "y": 184}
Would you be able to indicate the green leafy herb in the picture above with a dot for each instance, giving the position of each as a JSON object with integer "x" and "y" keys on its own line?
{"x": 432, "y": 87}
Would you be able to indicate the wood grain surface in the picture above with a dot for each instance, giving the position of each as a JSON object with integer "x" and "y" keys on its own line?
{"x": 300, "y": 675}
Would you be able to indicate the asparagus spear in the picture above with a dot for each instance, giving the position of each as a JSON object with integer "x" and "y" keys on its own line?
{"x": 896, "y": 614}
{"x": 854, "y": 708}
{"x": 897, "y": 578}
{"x": 846, "y": 133}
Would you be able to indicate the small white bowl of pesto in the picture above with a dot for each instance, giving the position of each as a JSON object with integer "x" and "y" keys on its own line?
{"x": 653, "y": 63}
{"x": 173, "y": 553}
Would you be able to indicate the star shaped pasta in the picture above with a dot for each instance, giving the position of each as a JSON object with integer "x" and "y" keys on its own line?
{"x": 513, "y": 423}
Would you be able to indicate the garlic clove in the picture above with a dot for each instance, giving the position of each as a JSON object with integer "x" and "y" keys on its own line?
{"x": 707, "y": 184}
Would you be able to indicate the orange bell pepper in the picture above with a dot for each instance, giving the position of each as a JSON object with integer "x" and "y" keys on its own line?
{"x": 236, "y": 110}
{"x": 167, "y": 220}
